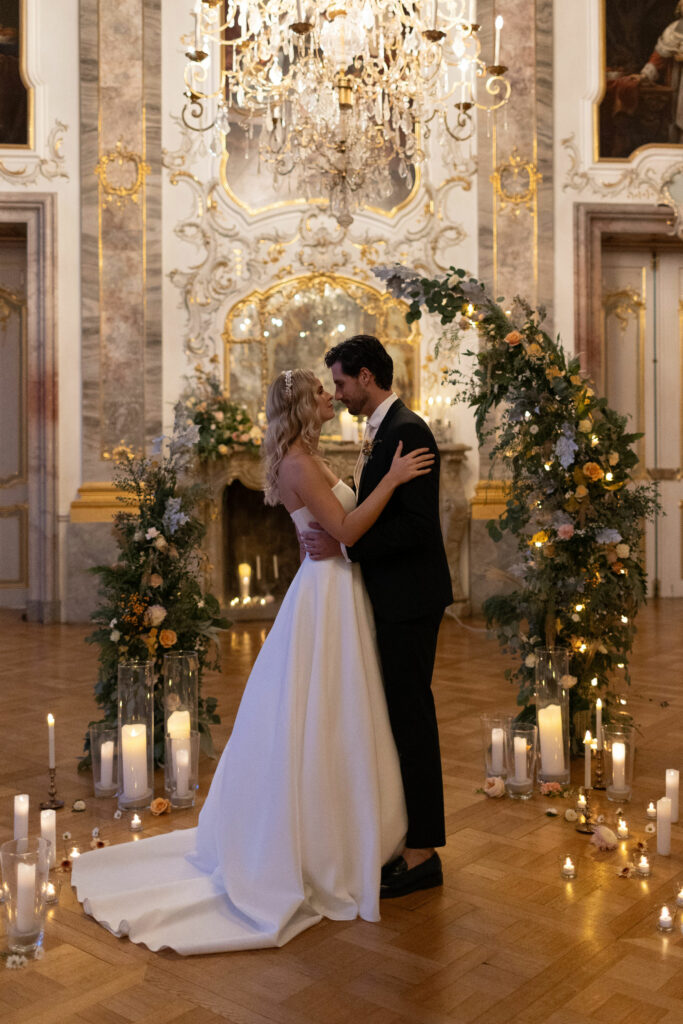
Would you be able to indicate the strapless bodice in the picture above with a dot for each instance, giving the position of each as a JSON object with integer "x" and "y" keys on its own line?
{"x": 301, "y": 517}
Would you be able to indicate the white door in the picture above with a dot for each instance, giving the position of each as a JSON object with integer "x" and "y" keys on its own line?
{"x": 642, "y": 301}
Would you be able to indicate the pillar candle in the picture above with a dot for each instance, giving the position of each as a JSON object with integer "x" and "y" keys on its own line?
{"x": 598, "y": 722}
{"x": 51, "y": 741}
{"x": 244, "y": 573}
{"x": 587, "y": 776}
{"x": 21, "y": 816}
{"x": 178, "y": 725}
{"x": 26, "y": 897}
{"x": 619, "y": 765}
{"x": 48, "y": 830}
{"x": 107, "y": 764}
{"x": 520, "y": 759}
{"x": 552, "y": 745}
{"x": 672, "y": 779}
{"x": 497, "y": 741}
{"x": 134, "y": 758}
{"x": 182, "y": 773}
{"x": 664, "y": 826}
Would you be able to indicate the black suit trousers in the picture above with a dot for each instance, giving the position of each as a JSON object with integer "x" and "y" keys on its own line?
{"x": 407, "y": 650}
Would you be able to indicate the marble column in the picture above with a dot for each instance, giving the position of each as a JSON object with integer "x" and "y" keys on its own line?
{"x": 120, "y": 136}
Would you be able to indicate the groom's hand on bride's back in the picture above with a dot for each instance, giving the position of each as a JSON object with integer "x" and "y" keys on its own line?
{"x": 319, "y": 544}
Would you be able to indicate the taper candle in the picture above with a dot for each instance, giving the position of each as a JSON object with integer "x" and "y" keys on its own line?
{"x": 672, "y": 780}
{"x": 51, "y": 741}
{"x": 496, "y": 49}
{"x": 587, "y": 775}
{"x": 598, "y": 722}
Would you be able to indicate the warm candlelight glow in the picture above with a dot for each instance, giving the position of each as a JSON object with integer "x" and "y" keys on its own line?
{"x": 622, "y": 829}
{"x": 74, "y": 852}
{"x": 50, "y": 893}
{"x": 135, "y": 823}
{"x": 679, "y": 896}
{"x": 581, "y": 802}
{"x": 651, "y": 810}
{"x": 643, "y": 866}
{"x": 665, "y": 922}
{"x": 568, "y": 868}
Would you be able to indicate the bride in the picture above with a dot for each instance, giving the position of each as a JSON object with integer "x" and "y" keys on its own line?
{"x": 306, "y": 803}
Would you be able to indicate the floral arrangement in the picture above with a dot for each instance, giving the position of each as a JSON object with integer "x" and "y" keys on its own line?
{"x": 151, "y": 598}
{"x": 223, "y": 425}
{"x": 574, "y": 508}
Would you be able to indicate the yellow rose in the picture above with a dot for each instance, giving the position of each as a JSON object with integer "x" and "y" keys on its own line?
{"x": 167, "y": 638}
{"x": 575, "y": 379}
{"x": 223, "y": 449}
{"x": 593, "y": 471}
{"x": 553, "y": 371}
{"x": 585, "y": 426}
{"x": 581, "y": 492}
{"x": 534, "y": 350}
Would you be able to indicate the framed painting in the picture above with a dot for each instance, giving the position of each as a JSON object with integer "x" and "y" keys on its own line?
{"x": 642, "y": 99}
{"x": 15, "y": 96}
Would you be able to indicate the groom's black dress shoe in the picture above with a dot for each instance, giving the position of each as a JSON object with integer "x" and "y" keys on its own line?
{"x": 398, "y": 879}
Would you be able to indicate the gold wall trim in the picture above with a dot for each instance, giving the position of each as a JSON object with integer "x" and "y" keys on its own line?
{"x": 20, "y": 512}
{"x": 97, "y": 503}
{"x": 509, "y": 173}
{"x": 11, "y": 302}
{"x": 119, "y": 156}
{"x": 490, "y": 499}
{"x": 624, "y": 304}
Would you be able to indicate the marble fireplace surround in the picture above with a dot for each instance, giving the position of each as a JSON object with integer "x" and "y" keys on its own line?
{"x": 248, "y": 469}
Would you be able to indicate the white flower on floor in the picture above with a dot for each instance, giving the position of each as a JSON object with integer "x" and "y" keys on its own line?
{"x": 14, "y": 961}
{"x": 118, "y": 813}
{"x": 604, "y": 838}
{"x": 651, "y": 828}
{"x": 570, "y": 814}
{"x": 494, "y": 786}
{"x": 66, "y": 836}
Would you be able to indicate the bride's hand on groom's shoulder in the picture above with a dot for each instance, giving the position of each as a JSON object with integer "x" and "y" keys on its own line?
{"x": 319, "y": 544}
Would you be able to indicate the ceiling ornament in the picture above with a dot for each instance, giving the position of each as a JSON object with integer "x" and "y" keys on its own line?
{"x": 49, "y": 167}
{"x": 339, "y": 94}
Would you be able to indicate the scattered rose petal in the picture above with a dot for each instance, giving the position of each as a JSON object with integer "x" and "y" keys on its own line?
{"x": 118, "y": 814}
{"x": 78, "y": 805}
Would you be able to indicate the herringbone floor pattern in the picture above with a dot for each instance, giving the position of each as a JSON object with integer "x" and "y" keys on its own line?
{"x": 505, "y": 942}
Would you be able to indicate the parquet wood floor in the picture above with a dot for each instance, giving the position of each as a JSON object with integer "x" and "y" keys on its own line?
{"x": 505, "y": 942}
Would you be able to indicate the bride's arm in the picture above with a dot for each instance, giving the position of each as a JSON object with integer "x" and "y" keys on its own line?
{"x": 346, "y": 527}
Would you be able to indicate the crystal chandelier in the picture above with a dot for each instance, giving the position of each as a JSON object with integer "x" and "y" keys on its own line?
{"x": 342, "y": 92}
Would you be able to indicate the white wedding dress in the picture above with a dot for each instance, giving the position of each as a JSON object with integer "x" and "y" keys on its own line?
{"x": 306, "y": 803}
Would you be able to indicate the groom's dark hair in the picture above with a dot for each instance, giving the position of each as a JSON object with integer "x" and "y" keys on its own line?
{"x": 363, "y": 350}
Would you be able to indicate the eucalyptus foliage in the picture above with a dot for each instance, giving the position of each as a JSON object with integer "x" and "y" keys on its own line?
{"x": 574, "y": 506}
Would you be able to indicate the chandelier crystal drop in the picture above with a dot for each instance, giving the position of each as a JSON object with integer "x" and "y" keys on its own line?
{"x": 340, "y": 94}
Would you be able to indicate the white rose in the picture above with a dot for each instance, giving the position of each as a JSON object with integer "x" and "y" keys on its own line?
{"x": 152, "y": 532}
{"x": 115, "y": 636}
{"x": 623, "y": 550}
{"x": 568, "y": 681}
{"x": 530, "y": 660}
{"x": 494, "y": 786}
{"x": 155, "y": 614}
{"x": 219, "y": 416}
{"x": 160, "y": 543}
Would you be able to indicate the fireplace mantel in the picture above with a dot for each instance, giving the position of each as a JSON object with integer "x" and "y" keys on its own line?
{"x": 248, "y": 469}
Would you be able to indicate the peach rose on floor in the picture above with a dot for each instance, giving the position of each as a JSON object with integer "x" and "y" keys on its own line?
{"x": 167, "y": 638}
{"x": 494, "y": 786}
{"x": 513, "y": 338}
{"x": 160, "y": 806}
{"x": 593, "y": 471}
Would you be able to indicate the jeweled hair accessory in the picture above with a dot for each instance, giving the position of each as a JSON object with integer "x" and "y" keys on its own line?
{"x": 288, "y": 383}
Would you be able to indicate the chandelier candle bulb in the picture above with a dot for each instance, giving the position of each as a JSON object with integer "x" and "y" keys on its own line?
{"x": 664, "y": 826}
{"x": 134, "y": 756}
{"x": 598, "y": 722}
{"x": 21, "y": 816}
{"x": 568, "y": 868}
{"x": 51, "y": 741}
{"x": 651, "y": 810}
{"x": 643, "y": 867}
{"x": 496, "y": 49}
{"x": 48, "y": 830}
{"x": 497, "y": 741}
{"x": 672, "y": 783}
{"x": 587, "y": 774}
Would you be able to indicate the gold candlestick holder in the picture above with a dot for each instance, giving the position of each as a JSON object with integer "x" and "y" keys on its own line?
{"x": 599, "y": 782}
{"x": 52, "y": 803}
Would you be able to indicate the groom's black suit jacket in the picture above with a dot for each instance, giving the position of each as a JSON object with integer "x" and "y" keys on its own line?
{"x": 402, "y": 557}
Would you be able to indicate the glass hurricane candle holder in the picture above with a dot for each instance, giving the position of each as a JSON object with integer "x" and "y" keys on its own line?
{"x": 619, "y": 749}
{"x": 105, "y": 758}
{"x": 568, "y": 868}
{"x": 181, "y": 693}
{"x": 643, "y": 866}
{"x": 495, "y": 731}
{"x": 181, "y": 769}
{"x": 666, "y": 916}
{"x": 136, "y": 733}
{"x": 25, "y": 869}
{"x": 521, "y": 758}
{"x": 552, "y": 714}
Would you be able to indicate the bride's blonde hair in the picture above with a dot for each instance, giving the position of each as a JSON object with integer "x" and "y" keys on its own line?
{"x": 291, "y": 413}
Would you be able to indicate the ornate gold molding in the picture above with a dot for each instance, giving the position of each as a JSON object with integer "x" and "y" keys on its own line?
{"x": 489, "y": 500}
{"x": 509, "y": 185}
{"x": 20, "y": 512}
{"x": 623, "y": 304}
{"x": 50, "y": 167}
{"x": 123, "y": 159}
{"x": 98, "y": 503}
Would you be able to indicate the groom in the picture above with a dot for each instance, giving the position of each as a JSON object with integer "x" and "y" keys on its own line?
{"x": 406, "y": 574}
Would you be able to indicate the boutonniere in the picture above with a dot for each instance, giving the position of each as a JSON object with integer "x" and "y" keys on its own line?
{"x": 368, "y": 447}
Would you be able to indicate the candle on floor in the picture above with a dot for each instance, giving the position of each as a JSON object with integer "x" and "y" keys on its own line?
{"x": 665, "y": 922}
{"x": 21, "y": 816}
{"x": 651, "y": 810}
{"x": 520, "y": 759}
{"x": 598, "y": 722}
{"x": 587, "y": 775}
{"x": 619, "y": 765}
{"x": 48, "y": 830}
{"x": 497, "y": 741}
{"x": 26, "y": 897}
{"x": 135, "y": 823}
{"x": 134, "y": 757}
{"x": 643, "y": 867}
{"x": 244, "y": 573}
{"x": 107, "y": 764}
{"x": 622, "y": 829}
{"x": 551, "y": 738}
{"x": 182, "y": 772}
{"x": 664, "y": 826}
{"x": 568, "y": 868}
{"x": 51, "y": 741}
{"x": 74, "y": 853}
{"x": 51, "y": 894}
{"x": 672, "y": 780}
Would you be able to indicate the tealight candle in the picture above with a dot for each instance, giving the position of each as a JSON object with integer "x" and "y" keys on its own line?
{"x": 622, "y": 829}
{"x": 679, "y": 895}
{"x": 651, "y": 810}
{"x": 665, "y": 921}
{"x": 74, "y": 852}
{"x": 568, "y": 868}
{"x": 643, "y": 867}
{"x": 135, "y": 823}
{"x": 51, "y": 894}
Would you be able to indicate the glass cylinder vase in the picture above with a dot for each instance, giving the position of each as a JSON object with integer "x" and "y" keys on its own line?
{"x": 104, "y": 758}
{"x": 522, "y": 740}
{"x": 181, "y": 769}
{"x": 494, "y": 734}
{"x": 619, "y": 751}
{"x": 25, "y": 867}
{"x": 552, "y": 714}
{"x": 181, "y": 693}
{"x": 136, "y": 733}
